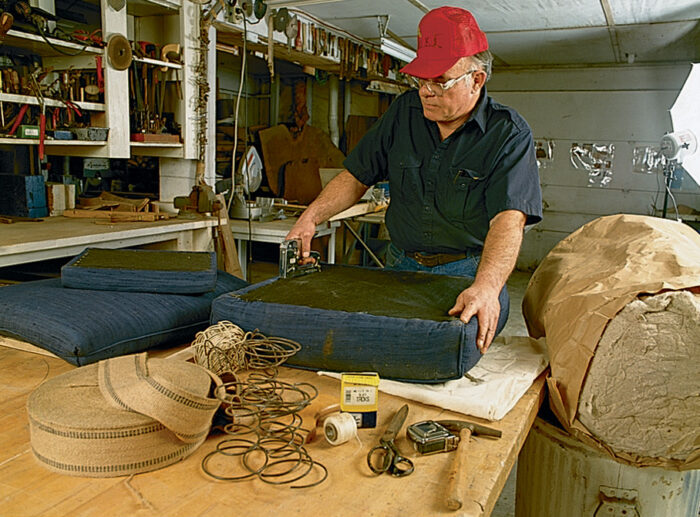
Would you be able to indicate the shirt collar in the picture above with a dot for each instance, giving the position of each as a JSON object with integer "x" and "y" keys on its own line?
{"x": 478, "y": 115}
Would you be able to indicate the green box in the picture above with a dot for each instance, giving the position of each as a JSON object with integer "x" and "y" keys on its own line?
{"x": 29, "y": 131}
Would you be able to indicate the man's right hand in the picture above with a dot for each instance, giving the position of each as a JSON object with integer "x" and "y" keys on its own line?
{"x": 342, "y": 192}
{"x": 304, "y": 230}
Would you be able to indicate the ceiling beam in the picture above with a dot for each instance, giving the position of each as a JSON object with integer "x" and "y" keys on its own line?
{"x": 297, "y": 3}
{"x": 420, "y": 5}
{"x": 612, "y": 32}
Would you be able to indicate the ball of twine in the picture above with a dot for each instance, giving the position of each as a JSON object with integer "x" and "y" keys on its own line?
{"x": 226, "y": 348}
{"x": 219, "y": 348}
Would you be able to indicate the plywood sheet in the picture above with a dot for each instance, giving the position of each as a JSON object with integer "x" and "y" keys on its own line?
{"x": 298, "y": 158}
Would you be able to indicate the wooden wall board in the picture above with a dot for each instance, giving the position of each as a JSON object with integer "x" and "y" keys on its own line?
{"x": 307, "y": 152}
{"x": 183, "y": 490}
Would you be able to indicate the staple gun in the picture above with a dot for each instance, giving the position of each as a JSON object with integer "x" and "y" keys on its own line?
{"x": 290, "y": 257}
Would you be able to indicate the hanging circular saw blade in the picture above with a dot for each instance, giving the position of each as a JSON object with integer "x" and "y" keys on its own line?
{"x": 119, "y": 52}
{"x": 259, "y": 9}
{"x": 250, "y": 170}
{"x": 281, "y": 19}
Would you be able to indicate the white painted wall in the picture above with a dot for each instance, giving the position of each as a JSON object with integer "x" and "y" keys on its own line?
{"x": 624, "y": 106}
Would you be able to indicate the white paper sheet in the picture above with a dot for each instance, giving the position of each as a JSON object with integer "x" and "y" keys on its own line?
{"x": 502, "y": 377}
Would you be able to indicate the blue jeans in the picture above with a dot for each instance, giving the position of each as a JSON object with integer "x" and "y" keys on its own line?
{"x": 397, "y": 260}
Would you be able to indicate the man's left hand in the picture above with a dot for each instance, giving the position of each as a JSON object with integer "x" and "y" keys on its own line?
{"x": 485, "y": 306}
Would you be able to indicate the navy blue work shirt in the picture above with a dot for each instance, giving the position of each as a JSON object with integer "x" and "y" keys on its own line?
{"x": 444, "y": 193}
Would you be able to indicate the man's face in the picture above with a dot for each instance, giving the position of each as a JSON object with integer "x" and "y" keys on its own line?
{"x": 456, "y": 102}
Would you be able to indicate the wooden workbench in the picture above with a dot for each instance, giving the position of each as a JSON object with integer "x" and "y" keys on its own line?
{"x": 57, "y": 237}
{"x": 182, "y": 490}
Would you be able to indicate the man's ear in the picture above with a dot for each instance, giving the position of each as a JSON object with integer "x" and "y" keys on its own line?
{"x": 478, "y": 80}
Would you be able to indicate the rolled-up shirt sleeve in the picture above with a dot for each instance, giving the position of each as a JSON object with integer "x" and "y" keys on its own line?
{"x": 514, "y": 183}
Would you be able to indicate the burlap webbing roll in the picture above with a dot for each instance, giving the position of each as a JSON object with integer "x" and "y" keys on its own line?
{"x": 173, "y": 393}
{"x": 73, "y": 430}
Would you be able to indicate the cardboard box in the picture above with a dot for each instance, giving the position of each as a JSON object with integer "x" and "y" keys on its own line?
{"x": 359, "y": 396}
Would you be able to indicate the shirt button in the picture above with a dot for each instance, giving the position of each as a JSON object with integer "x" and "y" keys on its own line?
{"x": 426, "y": 234}
{"x": 426, "y": 209}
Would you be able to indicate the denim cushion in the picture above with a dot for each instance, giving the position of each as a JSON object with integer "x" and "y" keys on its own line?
{"x": 142, "y": 271}
{"x": 83, "y": 326}
{"x": 363, "y": 319}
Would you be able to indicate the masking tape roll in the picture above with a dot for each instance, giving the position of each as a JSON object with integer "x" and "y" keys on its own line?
{"x": 339, "y": 428}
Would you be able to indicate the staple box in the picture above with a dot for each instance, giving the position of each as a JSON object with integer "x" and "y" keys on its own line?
{"x": 63, "y": 134}
{"x": 359, "y": 394}
{"x": 28, "y": 131}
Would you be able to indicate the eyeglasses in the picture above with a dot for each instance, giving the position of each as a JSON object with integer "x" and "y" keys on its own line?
{"x": 438, "y": 89}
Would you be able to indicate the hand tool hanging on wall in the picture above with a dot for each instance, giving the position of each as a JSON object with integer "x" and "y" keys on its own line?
{"x": 100, "y": 74}
{"x": 2, "y": 108}
{"x": 271, "y": 46}
{"x": 6, "y": 21}
{"x": 18, "y": 119}
{"x": 170, "y": 53}
{"x": 36, "y": 87}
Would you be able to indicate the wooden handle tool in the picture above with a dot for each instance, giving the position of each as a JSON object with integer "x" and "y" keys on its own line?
{"x": 456, "y": 479}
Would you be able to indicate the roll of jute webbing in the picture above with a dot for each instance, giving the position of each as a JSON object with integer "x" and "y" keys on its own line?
{"x": 75, "y": 429}
{"x": 156, "y": 388}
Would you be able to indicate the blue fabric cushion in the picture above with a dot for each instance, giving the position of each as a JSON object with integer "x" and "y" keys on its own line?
{"x": 142, "y": 271}
{"x": 84, "y": 326}
{"x": 400, "y": 329}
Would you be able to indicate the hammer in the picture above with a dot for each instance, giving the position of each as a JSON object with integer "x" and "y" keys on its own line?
{"x": 456, "y": 478}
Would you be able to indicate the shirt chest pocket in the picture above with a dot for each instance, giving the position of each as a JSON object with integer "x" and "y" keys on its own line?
{"x": 406, "y": 179}
{"x": 460, "y": 196}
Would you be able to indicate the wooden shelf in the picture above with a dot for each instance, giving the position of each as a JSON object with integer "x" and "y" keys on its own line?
{"x": 230, "y": 38}
{"x": 35, "y": 141}
{"x": 157, "y": 149}
{"x": 157, "y": 62}
{"x": 53, "y": 103}
{"x": 152, "y": 7}
{"x": 38, "y": 45}
{"x": 156, "y": 144}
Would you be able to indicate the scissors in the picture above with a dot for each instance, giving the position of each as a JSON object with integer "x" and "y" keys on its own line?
{"x": 385, "y": 457}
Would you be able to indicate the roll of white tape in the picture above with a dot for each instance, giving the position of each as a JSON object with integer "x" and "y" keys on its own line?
{"x": 339, "y": 428}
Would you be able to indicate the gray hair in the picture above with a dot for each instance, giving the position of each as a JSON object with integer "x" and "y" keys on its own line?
{"x": 482, "y": 60}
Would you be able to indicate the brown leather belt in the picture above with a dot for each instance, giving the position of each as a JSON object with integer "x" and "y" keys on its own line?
{"x": 435, "y": 259}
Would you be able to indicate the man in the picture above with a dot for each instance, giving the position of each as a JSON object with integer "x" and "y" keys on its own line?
{"x": 462, "y": 172}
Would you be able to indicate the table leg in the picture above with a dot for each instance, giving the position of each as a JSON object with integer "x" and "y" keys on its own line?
{"x": 243, "y": 257}
{"x": 331, "y": 248}
{"x": 359, "y": 239}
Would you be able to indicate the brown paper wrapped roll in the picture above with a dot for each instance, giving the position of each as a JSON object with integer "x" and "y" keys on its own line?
{"x": 573, "y": 297}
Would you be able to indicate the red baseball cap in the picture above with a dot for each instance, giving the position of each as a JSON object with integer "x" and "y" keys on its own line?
{"x": 445, "y": 34}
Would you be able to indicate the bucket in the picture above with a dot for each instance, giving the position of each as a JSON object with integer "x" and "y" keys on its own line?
{"x": 559, "y": 476}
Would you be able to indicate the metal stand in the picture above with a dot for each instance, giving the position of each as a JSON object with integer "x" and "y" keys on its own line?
{"x": 669, "y": 169}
